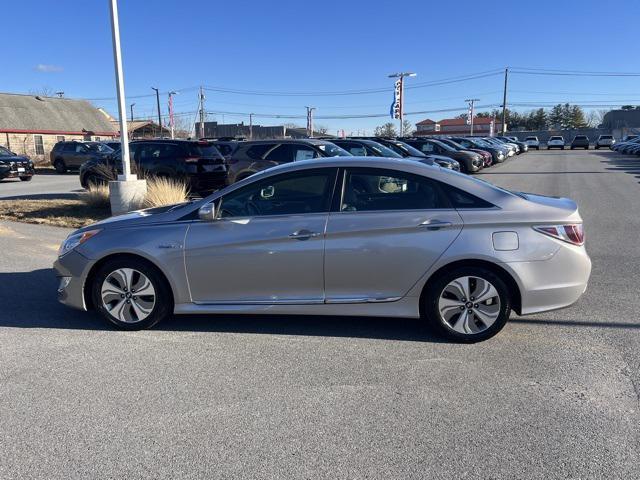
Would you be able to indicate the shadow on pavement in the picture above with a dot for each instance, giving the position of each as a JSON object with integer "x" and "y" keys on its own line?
{"x": 29, "y": 301}
{"x": 45, "y": 196}
{"x": 574, "y": 323}
{"x": 622, "y": 163}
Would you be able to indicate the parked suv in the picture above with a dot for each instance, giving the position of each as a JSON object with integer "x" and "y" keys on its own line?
{"x": 556, "y": 141}
{"x": 254, "y": 156}
{"x": 15, "y": 166}
{"x": 604, "y": 141}
{"x": 71, "y": 155}
{"x": 580, "y": 141}
{"x": 532, "y": 142}
{"x": 198, "y": 163}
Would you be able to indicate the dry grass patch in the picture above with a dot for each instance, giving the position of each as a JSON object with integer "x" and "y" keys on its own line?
{"x": 71, "y": 213}
{"x": 96, "y": 196}
{"x": 165, "y": 191}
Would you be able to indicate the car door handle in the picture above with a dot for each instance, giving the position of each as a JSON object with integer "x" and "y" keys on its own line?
{"x": 435, "y": 224}
{"x": 303, "y": 234}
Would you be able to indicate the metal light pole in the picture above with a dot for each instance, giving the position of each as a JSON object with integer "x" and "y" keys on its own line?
{"x": 171, "y": 119}
{"x": 158, "y": 103}
{"x": 400, "y": 110}
{"x": 471, "y": 102}
{"x": 131, "y": 106}
{"x": 310, "y": 121}
{"x": 127, "y": 193}
{"x": 504, "y": 102}
{"x": 251, "y": 126}
{"x": 117, "y": 58}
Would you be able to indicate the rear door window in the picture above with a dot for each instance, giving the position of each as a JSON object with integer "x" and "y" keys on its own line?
{"x": 202, "y": 150}
{"x": 377, "y": 190}
{"x": 257, "y": 152}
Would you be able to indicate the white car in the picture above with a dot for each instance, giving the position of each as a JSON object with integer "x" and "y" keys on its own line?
{"x": 532, "y": 142}
{"x": 555, "y": 142}
{"x": 604, "y": 141}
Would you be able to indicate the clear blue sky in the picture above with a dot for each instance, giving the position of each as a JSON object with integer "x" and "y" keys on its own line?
{"x": 324, "y": 46}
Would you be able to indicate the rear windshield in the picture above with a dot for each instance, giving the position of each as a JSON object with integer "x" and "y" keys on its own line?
{"x": 581, "y": 137}
{"x": 606, "y": 137}
{"x": 556, "y": 138}
{"x": 203, "y": 150}
{"x": 531, "y": 138}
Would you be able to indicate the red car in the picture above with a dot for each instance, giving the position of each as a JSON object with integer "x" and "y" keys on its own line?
{"x": 486, "y": 156}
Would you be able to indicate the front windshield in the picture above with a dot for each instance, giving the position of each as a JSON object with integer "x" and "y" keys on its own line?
{"x": 332, "y": 150}
{"x": 382, "y": 150}
{"x": 405, "y": 150}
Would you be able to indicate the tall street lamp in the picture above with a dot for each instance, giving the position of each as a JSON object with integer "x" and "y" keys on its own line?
{"x": 127, "y": 193}
{"x": 397, "y": 108}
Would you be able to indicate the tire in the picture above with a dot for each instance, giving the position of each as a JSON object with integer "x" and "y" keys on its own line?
{"x": 60, "y": 166}
{"x": 114, "y": 282}
{"x": 596, "y": 147}
{"x": 562, "y": 148}
{"x": 26, "y": 179}
{"x": 460, "y": 326}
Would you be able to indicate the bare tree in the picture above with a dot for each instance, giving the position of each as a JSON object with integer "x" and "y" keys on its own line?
{"x": 323, "y": 129}
{"x": 386, "y": 130}
{"x": 407, "y": 128}
{"x": 596, "y": 117}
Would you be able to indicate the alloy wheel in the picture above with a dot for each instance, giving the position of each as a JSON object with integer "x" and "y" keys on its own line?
{"x": 469, "y": 305}
{"x": 128, "y": 295}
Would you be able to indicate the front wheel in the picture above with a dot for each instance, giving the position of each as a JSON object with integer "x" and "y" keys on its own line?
{"x": 26, "y": 179}
{"x": 468, "y": 304}
{"x": 60, "y": 166}
{"x": 131, "y": 294}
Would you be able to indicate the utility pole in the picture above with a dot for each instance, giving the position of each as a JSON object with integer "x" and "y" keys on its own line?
{"x": 397, "y": 108}
{"x": 504, "y": 102}
{"x": 201, "y": 113}
{"x": 131, "y": 107}
{"x": 310, "y": 121}
{"x": 251, "y": 126}
{"x": 159, "y": 114}
{"x": 471, "y": 102}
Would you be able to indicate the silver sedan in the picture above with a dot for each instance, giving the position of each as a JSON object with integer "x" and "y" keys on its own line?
{"x": 337, "y": 236}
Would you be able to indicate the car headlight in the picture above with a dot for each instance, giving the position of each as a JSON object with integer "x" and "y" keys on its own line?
{"x": 75, "y": 240}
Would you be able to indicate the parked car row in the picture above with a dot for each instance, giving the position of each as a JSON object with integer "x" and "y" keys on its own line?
{"x": 630, "y": 145}
{"x": 209, "y": 164}
{"x": 579, "y": 141}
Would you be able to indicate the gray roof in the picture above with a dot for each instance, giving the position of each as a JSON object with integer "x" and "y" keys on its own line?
{"x": 31, "y": 113}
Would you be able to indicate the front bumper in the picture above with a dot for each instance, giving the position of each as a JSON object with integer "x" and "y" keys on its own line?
{"x": 554, "y": 283}
{"x": 72, "y": 270}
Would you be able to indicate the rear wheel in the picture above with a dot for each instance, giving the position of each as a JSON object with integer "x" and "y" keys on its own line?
{"x": 467, "y": 304}
{"x": 60, "y": 166}
{"x": 26, "y": 179}
{"x": 131, "y": 294}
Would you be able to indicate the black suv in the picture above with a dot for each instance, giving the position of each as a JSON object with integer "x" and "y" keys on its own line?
{"x": 198, "y": 163}
{"x": 72, "y": 154}
{"x": 580, "y": 141}
{"x": 254, "y": 156}
{"x": 15, "y": 166}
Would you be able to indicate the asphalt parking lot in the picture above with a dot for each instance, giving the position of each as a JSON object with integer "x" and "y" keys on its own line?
{"x": 554, "y": 395}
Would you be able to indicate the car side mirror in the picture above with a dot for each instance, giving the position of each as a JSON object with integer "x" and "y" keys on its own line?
{"x": 208, "y": 212}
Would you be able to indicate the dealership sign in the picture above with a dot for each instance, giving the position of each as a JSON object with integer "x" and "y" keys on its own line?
{"x": 396, "y": 106}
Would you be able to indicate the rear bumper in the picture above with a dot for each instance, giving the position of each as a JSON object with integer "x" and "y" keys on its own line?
{"x": 554, "y": 283}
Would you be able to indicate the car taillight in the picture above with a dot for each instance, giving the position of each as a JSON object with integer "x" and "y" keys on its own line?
{"x": 192, "y": 159}
{"x": 572, "y": 233}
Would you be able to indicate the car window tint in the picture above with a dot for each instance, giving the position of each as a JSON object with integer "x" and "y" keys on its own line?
{"x": 80, "y": 148}
{"x": 256, "y": 152}
{"x": 286, "y": 194}
{"x": 375, "y": 189}
{"x": 461, "y": 199}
